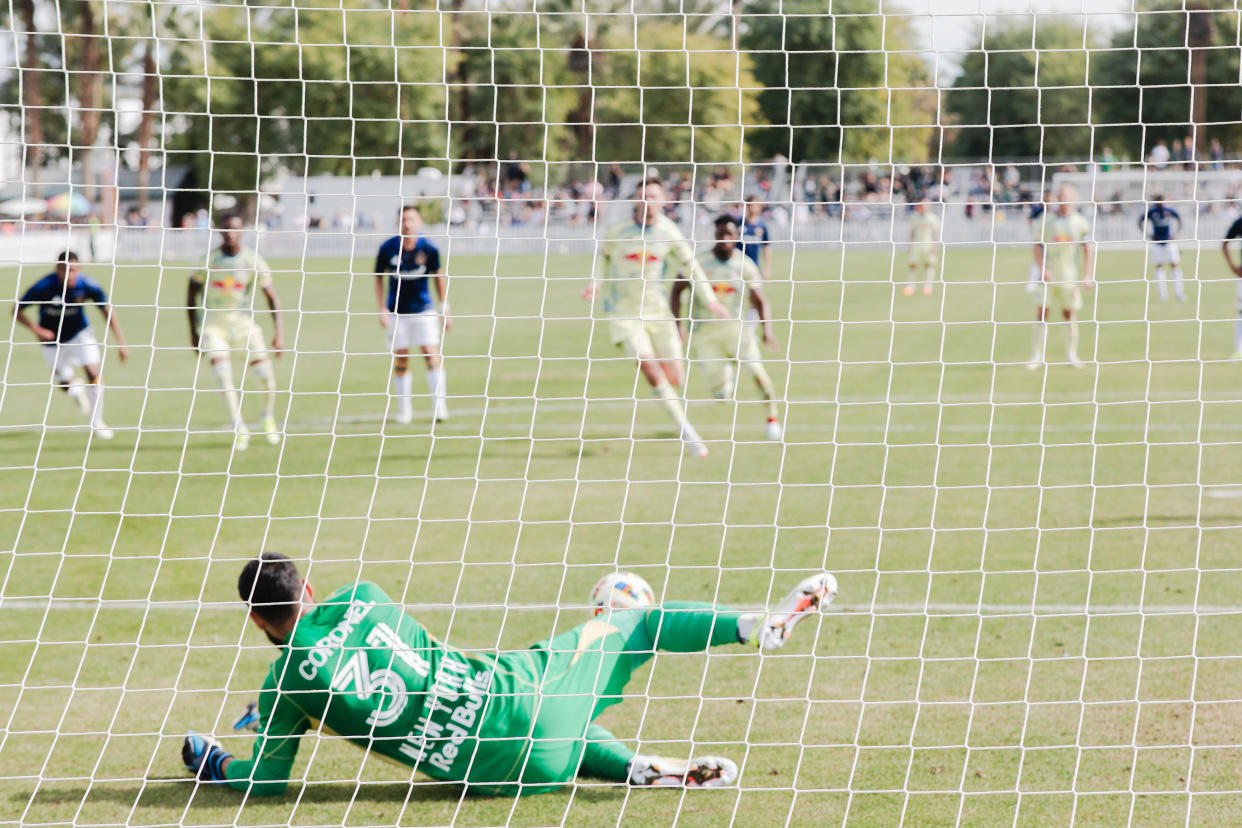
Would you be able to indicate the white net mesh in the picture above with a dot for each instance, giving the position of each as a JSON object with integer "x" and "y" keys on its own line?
{"x": 1019, "y": 459}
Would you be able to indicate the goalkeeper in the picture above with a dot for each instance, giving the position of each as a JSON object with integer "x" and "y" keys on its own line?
{"x": 509, "y": 723}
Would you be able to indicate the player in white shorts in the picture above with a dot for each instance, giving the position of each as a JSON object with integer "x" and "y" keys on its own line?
{"x": 635, "y": 257}
{"x": 1158, "y": 225}
{"x": 717, "y": 344}
{"x": 408, "y": 263}
{"x": 221, "y": 302}
{"x": 65, "y": 331}
{"x": 1063, "y": 231}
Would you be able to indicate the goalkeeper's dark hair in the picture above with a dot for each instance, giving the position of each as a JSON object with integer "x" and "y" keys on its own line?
{"x": 272, "y": 586}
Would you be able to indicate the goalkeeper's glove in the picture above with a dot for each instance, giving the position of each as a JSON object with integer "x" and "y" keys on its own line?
{"x": 248, "y": 720}
{"x": 204, "y": 758}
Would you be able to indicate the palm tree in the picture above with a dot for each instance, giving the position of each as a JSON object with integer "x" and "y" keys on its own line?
{"x": 32, "y": 98}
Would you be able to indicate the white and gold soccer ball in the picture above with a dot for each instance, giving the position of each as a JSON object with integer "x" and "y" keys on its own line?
{"x": 621, "y": 590}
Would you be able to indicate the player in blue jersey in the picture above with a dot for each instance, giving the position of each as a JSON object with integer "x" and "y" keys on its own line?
{"x": 1235, "y": 232}
{"x": 408, "y": 263}
{"x": 65, "y": 331}
{"x": 756, "y": 243}
{"x": 1158, "y": 225}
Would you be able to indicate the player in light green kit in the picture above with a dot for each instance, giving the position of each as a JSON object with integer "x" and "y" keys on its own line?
{"x": 634, "y": 259}
{"x": 924, "y": 253}
{"x": 221, "y": 303}
{"x": 718, "y": 343}
{"x": 521, "y": 722}
{"x": 1063, "y": 231}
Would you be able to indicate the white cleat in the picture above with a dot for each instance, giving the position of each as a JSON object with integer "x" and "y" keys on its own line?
{"x": 813, "y": 594}
{"x": 775, "y": 432}
{"x": 241, "y": 440}
{"x": 101, "y": 430}
{"x": 1035, "y": 363}
{"x": 405, "y": 414}
{"x": 696, "y": 448}
{"x": 441, "y": 413}
{"x": 1075, "y": 362}
{"x": 270, "y": 432}
{"x": 702, "y": 772}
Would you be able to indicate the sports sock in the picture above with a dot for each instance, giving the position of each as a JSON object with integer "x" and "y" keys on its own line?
{"x": 77, "y": 392}
{"x": 402, "y": 384}
{"x": 604, "y": 756}
{"x": 1160, "y": 286}
{"x": 94, "y": 394}
{"x": 267, "y": 380}
{"x": 1038, "y": 335}
{"x": 1178, "y": 284}
{"x": 1071, "y": 339}
{"x": 223, "y": 370}
{"x": 672, "y": 404}
{"x": 746, "y": 623}
{"x": 437, "y": 384}
{"x": 764, "y": 382}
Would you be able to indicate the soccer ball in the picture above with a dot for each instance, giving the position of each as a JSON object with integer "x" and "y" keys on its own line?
{"x": 621, "y": 590}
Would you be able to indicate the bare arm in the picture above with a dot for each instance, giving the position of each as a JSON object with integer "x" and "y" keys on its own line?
{"x": 1088, "y": 264}
{"x": 1224, "y": 249}
{"x": 442, "y": 290}
{"x": 278, "y": 337}
{"x": 1039, "y": 260}
{"x": 674, "y": 304}
{"x": 41, "y": 333}
{"x": 759, "y": 302}
{"x": 765, "y": 262}
{"x": 699, "y": 282}
{"x": 114, "y": 325}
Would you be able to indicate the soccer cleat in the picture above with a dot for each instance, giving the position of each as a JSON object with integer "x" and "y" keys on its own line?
{"x": 249, "y": 720}
{"x": 101, "y": 430}
{"x": 908, "y": 290}
{"x": 77, "y": 393}
{"x": 269, "y": 430}
{"x": 775, "y": 432}
{"x": 697, "y": 448}
{"x": 405, "y": 414}
{"x": 662, "y": 772}
{"x": 927, "y": 290}
{"x": 441, "y": 413}
{"x": 1074, "y": 361}
{"x": 1037, "y": 362}
{"x": 813, "y": 594}
{"x": 241, "y": 440}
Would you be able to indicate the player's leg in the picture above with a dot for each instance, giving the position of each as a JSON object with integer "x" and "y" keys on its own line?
{"x": 711, "y": 357}
{"x": 633, "y": 336}
{"x": 425, "y": 333}
{"x": 749, "y": 358}
{"x": 1175, "y": 267}
{"x": 1156, "y": 254}
{"x": 1071, "y": 303}
{"x": 264, "y": 372}
{"x": 63, "y": 376}
{"x": 1237, "y": 323}
{"x": 1034, "y": 278}
{"x": 666, "y": 343}
{"x": 95, "y": 401}
{"x": 912, "y": 266}
{"x": 402, "y": 384}
{"x": 1039, "y": 333}
{"x": 214, "y": 343}
{"x": 930, "y": 271}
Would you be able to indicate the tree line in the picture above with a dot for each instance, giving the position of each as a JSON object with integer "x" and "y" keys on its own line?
{"x": 237, "y": 92}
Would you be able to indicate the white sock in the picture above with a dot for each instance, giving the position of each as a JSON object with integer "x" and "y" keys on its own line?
{"x": 267, "y": 380}
{"x": 1164, "y": 291}
{"x": 1071, "y": 340}
{"x": 224, "y": 375}
{"x": 402, "y": 384}
{"x": 437, "y": 384}
{"x": 77, "y": 392}
{"x": 94, "y": 393}
{"x": 672, "y": 404}
{"x": 1038, "y": 335}
{"x": 1237, "y": 333}
{"x": 1178, "y": 287}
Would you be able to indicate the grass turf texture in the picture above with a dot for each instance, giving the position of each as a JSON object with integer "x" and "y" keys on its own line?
{"x": 924, "y": 465}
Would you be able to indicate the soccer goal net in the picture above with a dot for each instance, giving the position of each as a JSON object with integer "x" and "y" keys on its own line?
{"x": 461, "y": 307}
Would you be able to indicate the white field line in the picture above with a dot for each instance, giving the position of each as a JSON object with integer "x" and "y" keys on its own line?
{"x": 879, "y": 608}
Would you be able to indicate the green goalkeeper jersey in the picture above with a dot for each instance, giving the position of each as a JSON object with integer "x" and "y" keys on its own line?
{"x": 359, "y": 667}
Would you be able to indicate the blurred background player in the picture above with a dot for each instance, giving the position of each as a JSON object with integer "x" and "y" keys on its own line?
{"x": 717, "y": 343}
{"x": 1063, "y": 231}
{"x": 221, "y": 305}
{"x": 756, "y": 243}
{"x": 65, "y": 331}
{"x": 1235, "y": 232}
{"x": 1158, "y": 226}
{"x": 634, "y": 258}
{"x": 924, "y": 247}
{"x": 509, "y": 723}
{"x": 409, "y": 262}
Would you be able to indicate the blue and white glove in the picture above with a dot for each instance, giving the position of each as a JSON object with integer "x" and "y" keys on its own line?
{"x": 204, "y": 758}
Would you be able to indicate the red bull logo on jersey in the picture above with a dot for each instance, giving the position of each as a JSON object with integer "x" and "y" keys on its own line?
{"x": 227, "y": 283}
{"x": 723, "y": 289}
{"x": 640, "y": 257}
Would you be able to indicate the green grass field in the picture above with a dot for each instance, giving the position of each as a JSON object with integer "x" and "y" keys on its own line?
{"x": 1021, "y": 554}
